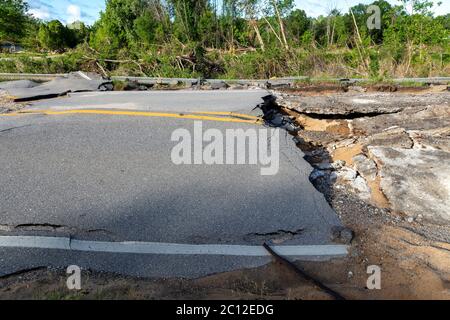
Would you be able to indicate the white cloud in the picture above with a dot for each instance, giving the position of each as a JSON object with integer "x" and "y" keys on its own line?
{"x": 40, "y": 13}
{"x": 443, "y": 9}
{"x": 73, "y": 13}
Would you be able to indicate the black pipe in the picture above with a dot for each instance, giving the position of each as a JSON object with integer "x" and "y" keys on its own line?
{"x": 303, "y": 274}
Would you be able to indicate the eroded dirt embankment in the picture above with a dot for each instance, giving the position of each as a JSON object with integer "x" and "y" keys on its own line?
{"x": 392, "y": 153}
{"x": 393, "y": 149}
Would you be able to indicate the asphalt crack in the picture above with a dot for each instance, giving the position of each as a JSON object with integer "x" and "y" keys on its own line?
{"x": 352, "y": 115}
{"x": 274, "y": 117}
{"x": 22, "y": 272}
{"x": 14, "y": 128}
{"x": 53, "y": 228}
{"x": 277, "y": 237}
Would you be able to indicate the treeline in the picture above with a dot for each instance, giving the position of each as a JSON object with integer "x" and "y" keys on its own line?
{"x": 16, "y": 26}
{"x": 242, "y": 38}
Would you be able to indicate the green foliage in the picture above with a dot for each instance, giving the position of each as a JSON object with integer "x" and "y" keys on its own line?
{"x": 148, "y": 30}
{"x": 444, "y": 21}
{"x": 237, "y": 39}
{"x": 115, "y": 29}
{"x": 30, "y": 38}
{"x": 421, "y": 7}
{"x": 77, "y": 33}
{"x": 297, "y": 24}
{"x": 416, "y": 30}
{"x": 190, "y": 17}
{"x": 13, "y": 19}
{"x": 53, "y": 35}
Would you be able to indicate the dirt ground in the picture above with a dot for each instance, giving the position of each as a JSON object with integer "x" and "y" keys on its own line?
{"x": 6, "y": 105}
{"x": 413, "y": 252}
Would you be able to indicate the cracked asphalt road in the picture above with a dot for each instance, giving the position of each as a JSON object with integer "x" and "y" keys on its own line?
{"x": 109, "y": 177}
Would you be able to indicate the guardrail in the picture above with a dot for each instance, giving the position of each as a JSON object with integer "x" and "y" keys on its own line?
{"x": 155, "y": 80}
{"x": 30, "y": 76}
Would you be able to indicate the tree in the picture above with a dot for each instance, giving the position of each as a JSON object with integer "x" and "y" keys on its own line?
{"x": 388, "y": 14}
{"x": 53, "y": 35}
{"x": 30, "y": 39}
{"x": 422, "y": 7}
{"x": 251, "y": 10}
{"x": 416, "y": 30}
{"x": 297, "y": 23}
{"x": 278, "y": 9}
{"x": 115, "y": 29}
{"x": 13, "y": 19}
{"x": 76, "y": 33}
{"x": 188, "y": 15}
{"x": 153, "y": 24}
{"x": 416, "y": 26}
{"x": 360, "y": 14}
{"x": 147, "y": 28}
{"x": 206, "y": 28}
{"x": 444, "y": 21}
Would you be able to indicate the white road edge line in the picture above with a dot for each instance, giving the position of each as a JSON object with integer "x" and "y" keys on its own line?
{"x": 61, "y": 243}
{"x": 84, "y": 75}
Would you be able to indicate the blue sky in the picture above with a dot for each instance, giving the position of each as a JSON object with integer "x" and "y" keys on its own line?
{"x": 88, "y": 10}
{"x": 67, "y": 10}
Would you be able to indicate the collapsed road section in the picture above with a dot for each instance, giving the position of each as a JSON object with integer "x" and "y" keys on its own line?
{"x": 392, "y": 149}
{"x": 25, "y": 90}
{"x": 381, "y": 160}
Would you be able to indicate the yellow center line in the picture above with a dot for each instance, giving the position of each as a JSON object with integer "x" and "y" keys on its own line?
{"x": 227, "y": 113}
{"x": 135, "y": 114}
{"x": 9, "y": 114}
